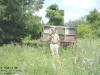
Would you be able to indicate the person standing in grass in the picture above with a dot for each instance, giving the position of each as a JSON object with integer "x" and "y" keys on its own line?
{"x": 54, "y": 42}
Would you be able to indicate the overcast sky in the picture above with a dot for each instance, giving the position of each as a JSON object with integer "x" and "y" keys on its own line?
{"x": 73, "y": 9}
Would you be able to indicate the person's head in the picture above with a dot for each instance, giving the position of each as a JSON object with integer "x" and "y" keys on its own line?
{"x": 53, "y": 30}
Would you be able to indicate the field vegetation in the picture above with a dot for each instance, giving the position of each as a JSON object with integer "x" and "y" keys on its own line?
{"x": 83, "y": 58}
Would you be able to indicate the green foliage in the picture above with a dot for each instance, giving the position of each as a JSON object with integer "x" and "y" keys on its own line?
{"x": 55, "y": 15}
{"x": 82, "y": 59}
{"x": 94, "y": 19}
{"x": 93, "y": 16}
{"x": 15, "y": 22}
{"x": 53, "y": 7}
{"x": 34, "y": 26}
{"x": 85, "y": 31}
{"x": 89, "y": 26}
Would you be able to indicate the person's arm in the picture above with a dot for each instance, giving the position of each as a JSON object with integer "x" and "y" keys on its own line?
{"x": 48, "y": 38}
{"x": 58, "y": 41}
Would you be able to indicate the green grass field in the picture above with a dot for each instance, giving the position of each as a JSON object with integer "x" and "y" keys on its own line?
{"x": 32, "y": 59}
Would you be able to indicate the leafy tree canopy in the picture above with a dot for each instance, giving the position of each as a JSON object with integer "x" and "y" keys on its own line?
{"x": 16, "y": 18}
{"x": 55, "y": 15}
{"x": 93, "y": 16}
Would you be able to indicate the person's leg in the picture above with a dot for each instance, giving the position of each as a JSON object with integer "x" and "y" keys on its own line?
{"x": 56, "y": 50}
{"x": 52, "y": 49}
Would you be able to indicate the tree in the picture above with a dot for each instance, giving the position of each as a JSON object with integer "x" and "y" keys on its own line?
{"x": 85, "y": 31}
{"x": 55, "y": 15}
{"x": 93, "y": 16}
{"x": 14, "y": 18}
{"x": 34, "y": 26}
{"x": 94, "y": 19}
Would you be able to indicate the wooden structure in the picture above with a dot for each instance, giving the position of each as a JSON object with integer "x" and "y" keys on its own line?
{"x": 67, "y": 34}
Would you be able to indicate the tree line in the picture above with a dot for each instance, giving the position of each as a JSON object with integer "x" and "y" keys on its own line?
{"x": 17, "y": 20}
{"x": 89, "y": 26}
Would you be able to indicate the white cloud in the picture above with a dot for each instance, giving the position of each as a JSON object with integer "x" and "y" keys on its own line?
{"x": 77, "y": 8}
{"x": 79, "y": 3}
{"x": 71, "y": 16}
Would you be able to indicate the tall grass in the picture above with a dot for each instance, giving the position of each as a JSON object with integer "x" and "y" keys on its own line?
{"x": 32, "y": 59}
